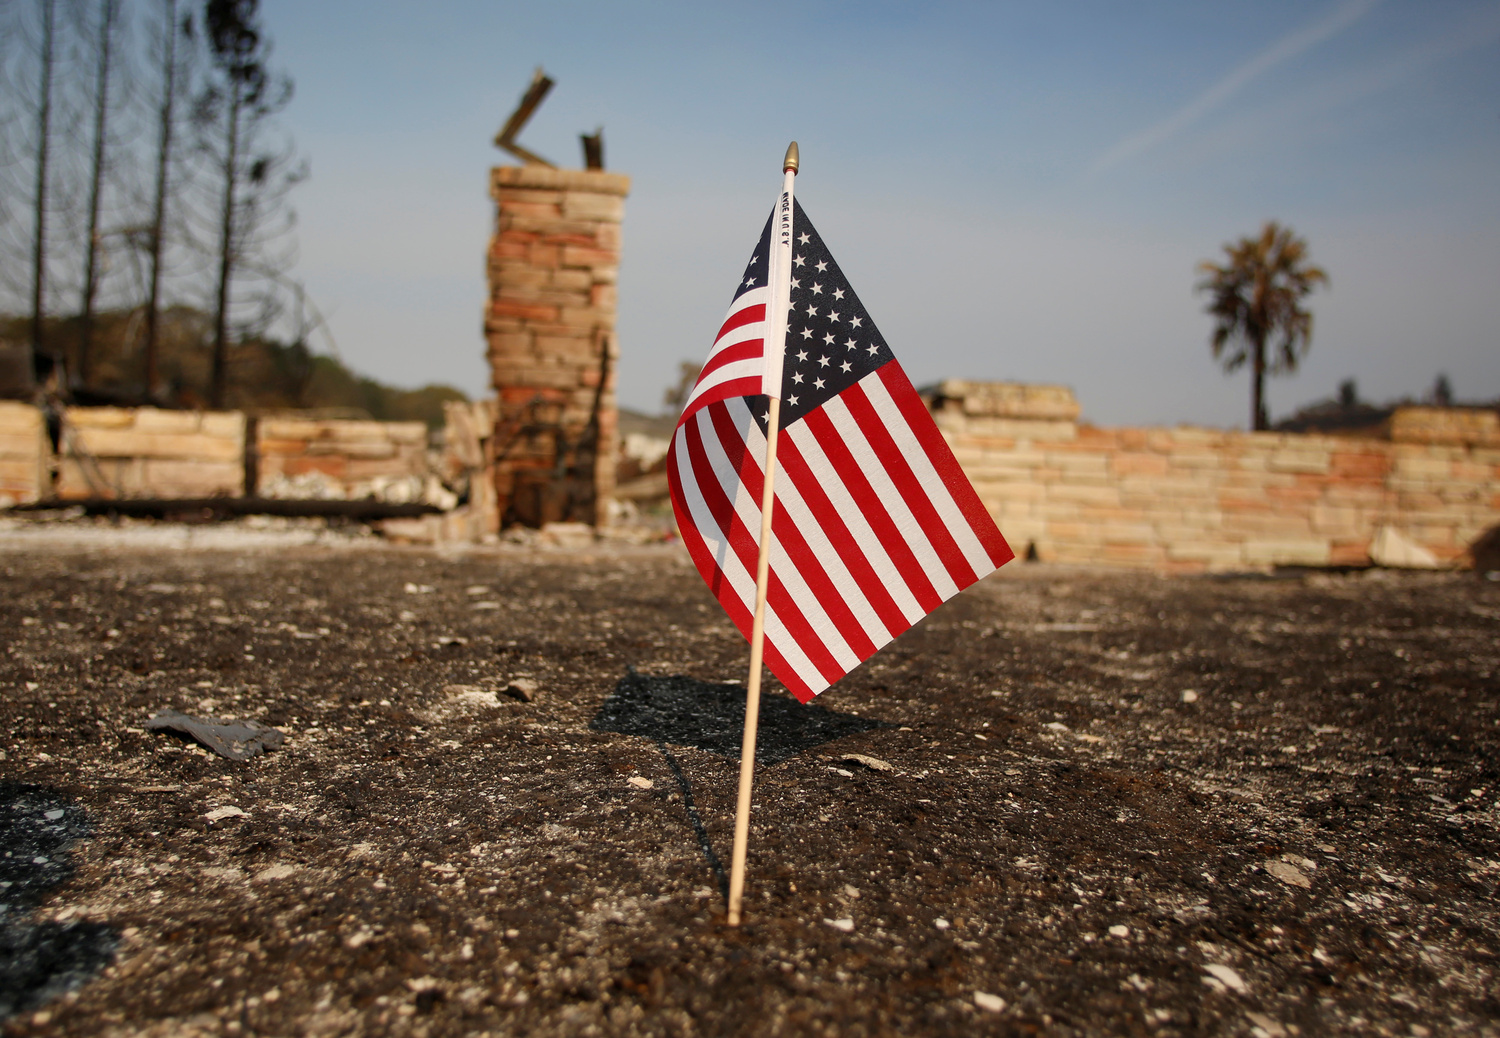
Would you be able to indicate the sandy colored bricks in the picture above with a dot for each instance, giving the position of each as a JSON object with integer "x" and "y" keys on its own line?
{"x": 1079, "y": 464}
{"x": 1287, "y": 552}
{"x": 1138, "y": 464}
{"x": 553, "y": 269}
{"x": 578, "y": 205}
{"x": 1127, "y": 533}
{"x": 1445, "y": 425}
{"x": 25, "y": 454}
{"x": 1299, "y": 461}
{"x": 180, "y": 478}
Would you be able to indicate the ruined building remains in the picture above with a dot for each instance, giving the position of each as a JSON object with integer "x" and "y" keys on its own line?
{"x": 550, "y": 323}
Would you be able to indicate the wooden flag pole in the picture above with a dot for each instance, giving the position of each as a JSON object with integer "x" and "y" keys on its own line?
{"x": 776, "y": 308}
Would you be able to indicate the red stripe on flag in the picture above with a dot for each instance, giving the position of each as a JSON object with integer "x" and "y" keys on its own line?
{"x": 797, "y": 470}
{"x": 868, "y": 502}
{"x": 740, "y": 318}
{"x": 750, "y": 349}
{"x": 746, "y": 385}
{"x": 914, "y": 410}
{"x": 734, "y": 607}
{"x": 787, "y": 676}
{"x": 799, "y": 553}
{"x": 692, "y": 536}
{"x": 744, "y": 545}
{"x": 908, "y": 486}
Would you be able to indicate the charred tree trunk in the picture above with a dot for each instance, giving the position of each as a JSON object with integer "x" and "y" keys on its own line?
{"x": 226, "y": 252}
{"x": 91, "y": 263}
{"x": 44, "y": 133}
{"x": 159, "y": 212}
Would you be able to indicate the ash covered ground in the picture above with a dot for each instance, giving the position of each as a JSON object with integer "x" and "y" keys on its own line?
{"x": 1117, "y": 803}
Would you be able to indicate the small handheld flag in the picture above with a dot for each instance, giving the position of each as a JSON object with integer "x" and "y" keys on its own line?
{"x": 803, "y": 436}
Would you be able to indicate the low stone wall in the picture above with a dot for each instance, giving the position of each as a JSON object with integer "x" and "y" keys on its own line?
{"x": 341, "y": 459}
{"x": 1187, "y": 499}
{"x": 118, "y": 452}
{"x": 25, "y": 455}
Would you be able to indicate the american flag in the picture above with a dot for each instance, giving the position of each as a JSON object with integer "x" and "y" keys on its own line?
{"x": 874, "y": 524}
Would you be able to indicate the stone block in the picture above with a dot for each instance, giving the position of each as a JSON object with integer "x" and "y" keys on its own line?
{"x": 527, "y": 215}
{"x": 580, "y": 281}
{"x": 544, "y": 178}
{"x": 511, "y": 342}
{"x": 588, "y": 257}
{"x": 1287, "y": 551}
{"x": 1262, "y": 524}
{"x": 19, "y": 419}
{"x": 1219, "y": 555}
{"x": 1183, "y": 436}
{"x": 1075, "y": 464}
{"x": 1445, "y": 425}
{"x": 99, "y": 417}
{"x": 1191, "y": 458}
{"x": 155, "y": 420}
{"x": 1349, "y": 553}
{"x": 1299, "y": 461}
{"x": 1093, "y": 495}
{"x": 523, "y": 310}
{"x": 362, "y": 470}
{"x": 1138, "y": 464}
{"x": 580, "y": 205}
{"x": 127, "y": 443}
{"x": 586, "y": 317}
{"x": 1358, "y": 465}
{"x": 107, "y": 478}
{"x": 532, "y": 195}
{"x": 1143, "y": 556}
{"x": 608, "y": 236}
{"x": 332, "y": 465}
{"x": 1128, "y": 533}
{"x": 170, "y": 478}
{"x": 1332, "y": 519}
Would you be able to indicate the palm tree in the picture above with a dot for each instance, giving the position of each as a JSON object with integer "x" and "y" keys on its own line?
{"x": 1257, "y": 301}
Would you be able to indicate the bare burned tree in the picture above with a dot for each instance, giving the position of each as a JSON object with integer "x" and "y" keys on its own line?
{"x": 253, "y": 174}
{"x": 108, "y": 16}
{"x": 171, "y": 73}
{"x": 44, "y": 140}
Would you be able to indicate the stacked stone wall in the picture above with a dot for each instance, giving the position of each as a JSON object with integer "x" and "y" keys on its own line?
{"x": 550, "y": 323}
{"x": 340, "y": 458}
{"x": 1190, "y": 500}
{"x": 25, "y": 455}
{"x": 118, "y": 452}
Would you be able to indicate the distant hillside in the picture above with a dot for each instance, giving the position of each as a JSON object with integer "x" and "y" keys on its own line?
{"x": 264, "y": 374}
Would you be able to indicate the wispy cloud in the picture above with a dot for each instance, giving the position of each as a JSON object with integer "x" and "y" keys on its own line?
{"x": 1283, "y": 50}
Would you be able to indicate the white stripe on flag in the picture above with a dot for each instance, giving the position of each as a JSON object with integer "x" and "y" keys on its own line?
{"x": 922, "y": 467}
{"x": 848, "y": 510}
{"x": 789, "y": 499}
{"x": 741, "y": 580}
{"x": 748, "y": 368}
{"x": 890, "y": 497}
{"x": 790, "y": 575}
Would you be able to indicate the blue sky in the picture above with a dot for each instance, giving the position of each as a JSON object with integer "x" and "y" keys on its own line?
{"x": 1016, "y": 191}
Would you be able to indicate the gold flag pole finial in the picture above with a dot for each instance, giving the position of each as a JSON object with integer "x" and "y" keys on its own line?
{"x": 790, "y": 162}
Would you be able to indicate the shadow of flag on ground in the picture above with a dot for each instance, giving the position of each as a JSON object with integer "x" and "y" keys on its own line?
{"x": 687, "y": 712}
{"x": 41, "y": 960}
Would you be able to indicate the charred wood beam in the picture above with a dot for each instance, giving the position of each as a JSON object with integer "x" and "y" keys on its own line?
{"x": 210, "y": 509}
